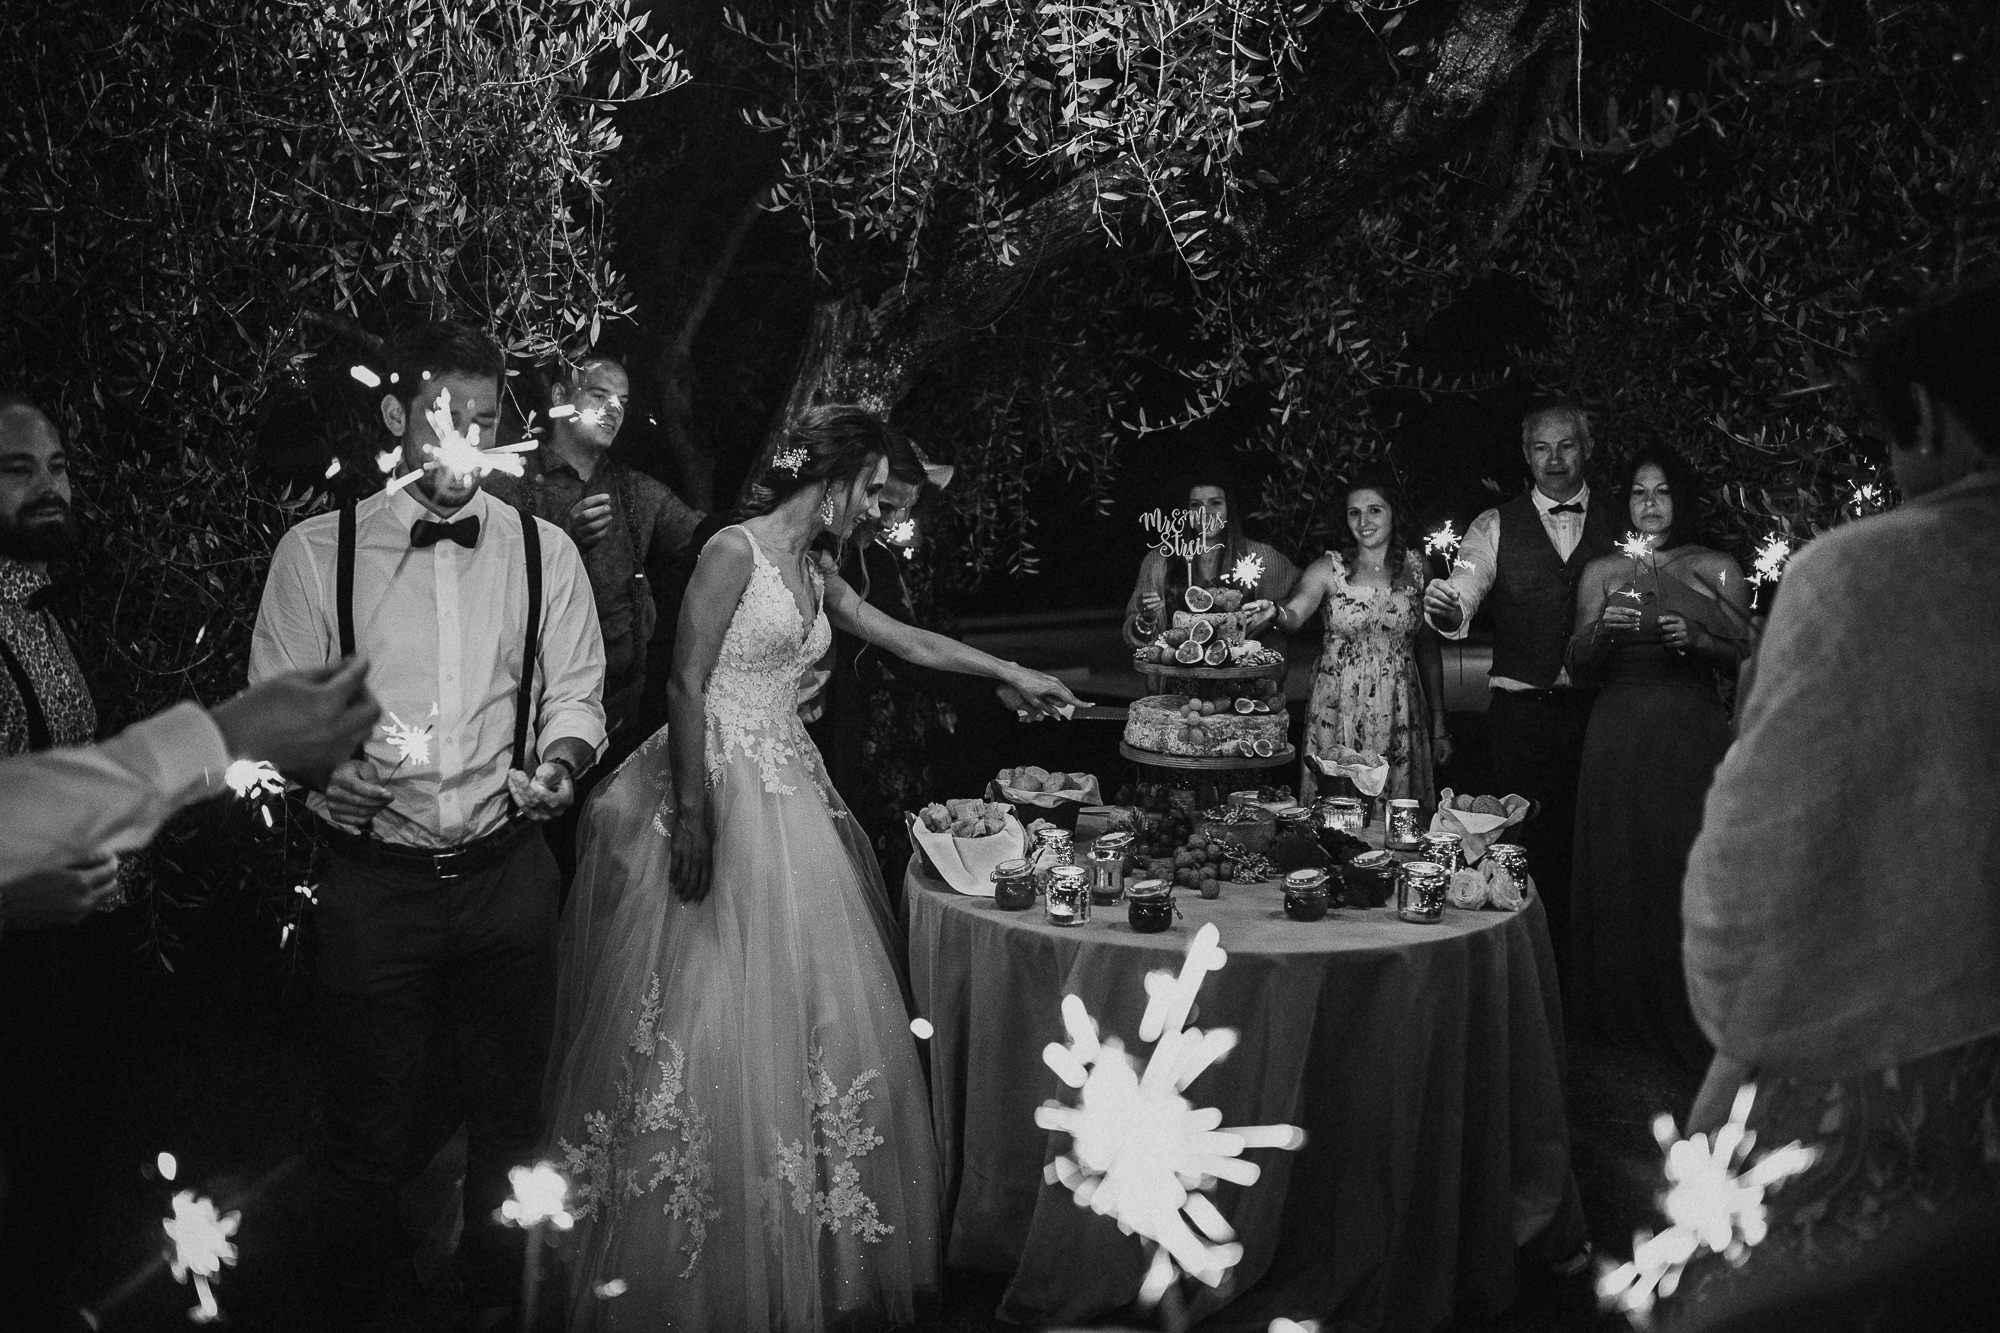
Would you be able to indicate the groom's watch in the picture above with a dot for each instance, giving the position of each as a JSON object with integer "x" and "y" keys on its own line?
{"x": 568, "y": 767}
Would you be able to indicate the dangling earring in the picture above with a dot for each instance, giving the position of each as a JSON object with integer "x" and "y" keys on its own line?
{"x": 826, "y": 509}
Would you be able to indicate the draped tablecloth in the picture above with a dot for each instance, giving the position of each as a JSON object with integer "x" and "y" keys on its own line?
{"x": 1424, "y": 1062}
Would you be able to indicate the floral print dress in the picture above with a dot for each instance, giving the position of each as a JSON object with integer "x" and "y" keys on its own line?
{"x": 1366, "y": 694}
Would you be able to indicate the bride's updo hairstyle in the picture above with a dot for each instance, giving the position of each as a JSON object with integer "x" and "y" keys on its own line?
{"x": 826, "y": 444}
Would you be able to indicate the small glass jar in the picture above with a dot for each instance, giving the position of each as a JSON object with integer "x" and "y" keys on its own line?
{"x": 1296, "y": 845}
{"x": 1305, "y": 895}
{"x": 1053, "y": 847}
{"x": 1513, "y": 859}
{"x": 1068, "y": 896}
{"x": 1420, "y": 892}
{"x": 1108, "y": 859}
{"x": 1149, "y": 906}
{"x": 1014, "y": 885}
{"x": 1443, "y": 848}
{"x": 1402, "y": 830}
{"x": 1369, "y": 879}
{"x": 1343, "y": 814}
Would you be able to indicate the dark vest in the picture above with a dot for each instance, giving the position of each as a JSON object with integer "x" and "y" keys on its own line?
{"x": 1534, "y": 592}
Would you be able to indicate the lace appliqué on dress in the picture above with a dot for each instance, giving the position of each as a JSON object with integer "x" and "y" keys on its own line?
{"x": 841, "y": 1138}
{"x": 600, "y": 1186}
{"x": 753, "y": 692}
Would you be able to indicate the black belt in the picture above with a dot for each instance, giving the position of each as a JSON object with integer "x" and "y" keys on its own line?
{"x": 468, "y": 858}
{"x": 1574, "y": 694}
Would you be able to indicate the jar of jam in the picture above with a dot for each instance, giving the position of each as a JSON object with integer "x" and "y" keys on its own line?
{"x": 1053, "y": 847}
{"x": 1296, "y": 845}
{"x": 1067, "y": 900}
{"x": 1305, "y": 894}
{"x": 1369, "y": 879}
{"x": 1108, "y": 859}
{"x": 1402, "y": 828}
{"x": 1442, "y": 848}
{"x": 1014, "y": 885}
{"x": 1420, "y": 892}
{"x": 1149, "y": 906}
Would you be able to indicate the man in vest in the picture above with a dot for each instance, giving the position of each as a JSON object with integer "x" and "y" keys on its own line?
{"x": 1523, "y": 559}
{"x": 437, "y": 912}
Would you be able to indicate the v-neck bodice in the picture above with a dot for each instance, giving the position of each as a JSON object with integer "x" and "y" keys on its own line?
{"x": 753, "y": 691}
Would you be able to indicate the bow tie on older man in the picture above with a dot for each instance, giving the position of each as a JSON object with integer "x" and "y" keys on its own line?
{"x": 465, "y": 532}
{"x": 1571, "y": 508}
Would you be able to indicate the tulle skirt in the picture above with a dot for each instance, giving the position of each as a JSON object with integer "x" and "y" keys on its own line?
{"x": 736, "y": 1095}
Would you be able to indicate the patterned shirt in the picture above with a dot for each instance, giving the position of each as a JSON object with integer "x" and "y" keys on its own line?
{"x": 650, "y": 525}
{"x": 44, "y": 655}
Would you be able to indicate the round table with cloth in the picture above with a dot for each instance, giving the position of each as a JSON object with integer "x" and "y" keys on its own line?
{"x": 1425, "y": 1064}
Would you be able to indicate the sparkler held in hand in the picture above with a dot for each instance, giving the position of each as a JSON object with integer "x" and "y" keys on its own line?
{"x": 256, "y": 782}
{"x": 1768, "y": 566}
{"x": 1248, "y": 573}
{"x": 1444, "y": 545}
{"x": 412, "y": 743}
{"x": 201, "y": 1245}
{"x": 540, "y": 1200}
{"x": 459, "y": 453}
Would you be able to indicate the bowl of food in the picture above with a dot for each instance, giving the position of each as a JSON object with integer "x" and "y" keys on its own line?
{"x": 965, "y": 840}
{"x": 1041, "y": 793}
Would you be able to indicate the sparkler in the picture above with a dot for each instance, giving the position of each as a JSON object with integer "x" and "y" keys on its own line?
{"x": 1442, "y": 542}
{"x": 460, "y": 453}
{"x": 412, "y": 742}
{"x": 1867, "y": 499}
{"x": 1141, "y": 1154}
{"x": 1710, "y": 1205}
{"x": 585, "y": 416}
{"x": 1768, "y": 565}
{"x": 387, "y": 460}
{"x": 1635, "y": 546}
{"x": 255, "y": 781}
{"x": 540, "y": 1200}
{"x": 1249, "y": 571}
{"x": 902, "y": 534}
{"x": 201, "y": 1245}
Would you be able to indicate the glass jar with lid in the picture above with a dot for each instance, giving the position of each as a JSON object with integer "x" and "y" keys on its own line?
{"x": 1014, "y": 885}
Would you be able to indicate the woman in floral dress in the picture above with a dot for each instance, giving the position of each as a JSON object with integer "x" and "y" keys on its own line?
{"x": 1379, "y": 682}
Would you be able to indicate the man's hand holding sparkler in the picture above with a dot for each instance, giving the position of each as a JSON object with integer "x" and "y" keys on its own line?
{"x": 303, "y": 722}
{"x": 353, "y": 798}
{"x": 547, "y": 794}
{"x": 588, "y": 520}
{"x": 1441, "y": 604}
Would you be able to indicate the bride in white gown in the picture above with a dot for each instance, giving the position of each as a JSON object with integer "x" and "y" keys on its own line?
{"x": 736, "y": 1095}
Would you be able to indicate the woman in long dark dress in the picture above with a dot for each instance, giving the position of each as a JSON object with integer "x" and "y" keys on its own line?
{"x": 1654, "y": 624}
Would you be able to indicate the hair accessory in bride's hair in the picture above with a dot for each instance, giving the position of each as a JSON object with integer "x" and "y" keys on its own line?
{"x": 791, "y": 460}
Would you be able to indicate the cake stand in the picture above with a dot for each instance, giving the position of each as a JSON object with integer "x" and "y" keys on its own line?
{"x": 1210, "y": 784}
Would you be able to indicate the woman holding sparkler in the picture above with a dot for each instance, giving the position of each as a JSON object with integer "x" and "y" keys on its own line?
{"x": 1655, "y": 622}
{"x": 1262, "y": 570}
{"x": 1379, "y": 682}
{"x": 737, "y": 1098}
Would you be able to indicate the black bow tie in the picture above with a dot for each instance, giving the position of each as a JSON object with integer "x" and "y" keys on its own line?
{"x": 426, "y": 533}
{"x": 1571, "y": 508}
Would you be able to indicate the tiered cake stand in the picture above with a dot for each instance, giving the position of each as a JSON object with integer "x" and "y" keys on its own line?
{"x": 1213, "y": 780}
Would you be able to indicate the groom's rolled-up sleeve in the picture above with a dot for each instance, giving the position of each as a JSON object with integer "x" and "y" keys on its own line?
{"x": 572, "y": 700}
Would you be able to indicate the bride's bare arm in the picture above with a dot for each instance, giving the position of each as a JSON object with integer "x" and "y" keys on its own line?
{"x": 849, "y": 611}
{"x": 712, "y": 594}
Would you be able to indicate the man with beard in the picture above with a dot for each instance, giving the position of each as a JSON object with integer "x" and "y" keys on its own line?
{"x": 436, "y": 917}
{"x": 53, "y": 984}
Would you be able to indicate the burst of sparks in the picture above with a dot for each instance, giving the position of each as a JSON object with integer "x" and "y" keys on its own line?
{"x": 1709, "y": 1204}
{"x": 1866, "y": 498}
{"x": 1248, "y": 572}
{"x": 1770, "y": 561}
{"x": 1635, "y": 546}
{"x": 540, "y": 1193}
{"x": 253, "y": 778}
{"x": 1141, "y": 1154}
{"x": 365, "y": 376}
{"x": 460, "y": 453}
{"x": 902, "y": 534}
{"x": 201, "y": 1245}
{"x": 412, "y": 742}
{"x": 387, "y": 460}
{"x": 1442, "y": 542}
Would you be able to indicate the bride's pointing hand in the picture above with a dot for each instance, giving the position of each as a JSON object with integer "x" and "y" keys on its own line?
{"x": 694, "y": 847}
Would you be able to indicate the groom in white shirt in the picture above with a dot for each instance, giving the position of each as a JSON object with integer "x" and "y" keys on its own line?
{"x": 1524, "y": 559}
{"x": 437, "y": 913}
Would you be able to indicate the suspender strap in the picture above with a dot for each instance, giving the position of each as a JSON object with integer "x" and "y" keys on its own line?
{"x": 524, "y": 702}
{"x": 39, "y": 736}
{"x": 343, "y": 580}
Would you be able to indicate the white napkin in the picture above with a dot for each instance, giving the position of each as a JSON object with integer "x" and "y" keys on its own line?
{"x": 1369, "y": 773}
{"x": 967, "y": 863}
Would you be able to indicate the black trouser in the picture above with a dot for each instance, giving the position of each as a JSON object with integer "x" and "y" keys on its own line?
{"x": 1537, "y": 746}
{"x": 435, "y": 1004}
{"x": 53, "y": 1062}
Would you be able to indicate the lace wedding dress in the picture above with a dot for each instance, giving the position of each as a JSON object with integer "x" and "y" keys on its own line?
{"x": 736, "y": 1097}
